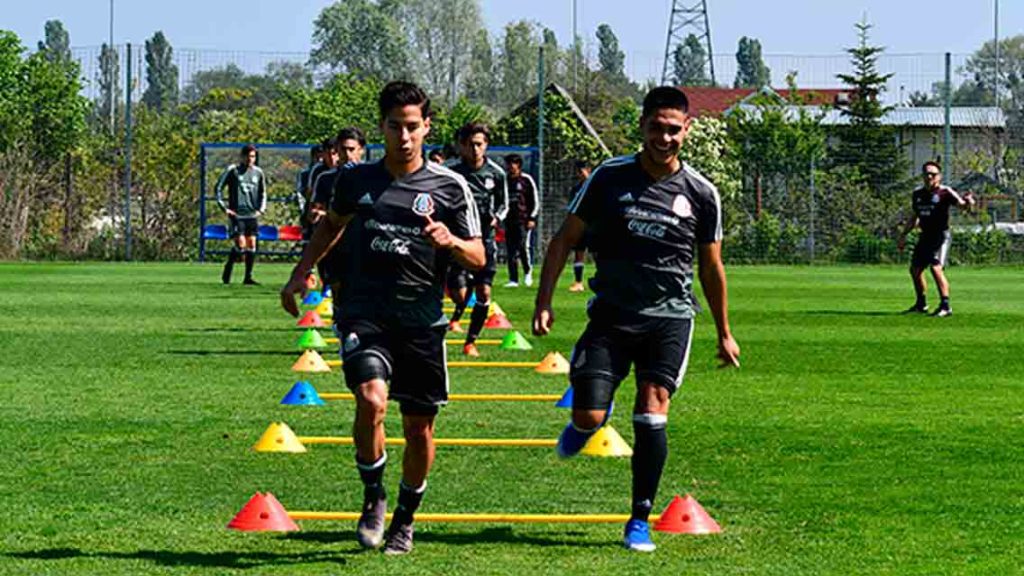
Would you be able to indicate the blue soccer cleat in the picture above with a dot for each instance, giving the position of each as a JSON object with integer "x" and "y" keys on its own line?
{"x": 572, "y": 440}
{"x": 637, "y": 536}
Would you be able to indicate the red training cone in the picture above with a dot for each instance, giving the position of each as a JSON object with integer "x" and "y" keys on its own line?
{"x": 311, "y": 320}
{"x": 497, "y": 321}
{"x": 686, "y": 516}
{"x": 263, "y": 513}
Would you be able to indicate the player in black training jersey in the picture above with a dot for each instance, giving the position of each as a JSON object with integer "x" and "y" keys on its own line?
{"x": 931, "y": 205}
{"x": 579, "y": 253}
{"x": 647, "y": 217}
{"x": 524, "y": 205}
{"x": 490, "y": 189}
{"x": 246, "y": 202}
{"x": 410, "y": 217}
{"x": 350, "y": 145}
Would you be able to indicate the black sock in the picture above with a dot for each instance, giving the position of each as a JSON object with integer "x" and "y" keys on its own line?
{"x": 513, "y": 270}
{"x": 649, "y": 455}
{"x": 577, "y": 271}
{"x": 476, "y": 321}
{"x": 944, "y": 302}
{"x": 250, "y": 259}
{"x": 408, "y": 502}
{"x": 372, "y": 476}
{"x": 921, "y": 300}
{"x": 460, "y": 309}
{"x": 229, "y": 266}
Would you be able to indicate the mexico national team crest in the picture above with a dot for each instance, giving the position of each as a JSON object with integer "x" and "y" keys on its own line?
{"x": 423, "y": 205}
{"x": 681, "y": 207}
{"x": 351, "y": 342}
{"x": 935, "y": 198}
{"x": 489, "y": 183}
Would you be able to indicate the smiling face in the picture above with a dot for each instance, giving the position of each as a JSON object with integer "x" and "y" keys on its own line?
{"x": 404, "y": 130}
{"x": 664, "y": 131}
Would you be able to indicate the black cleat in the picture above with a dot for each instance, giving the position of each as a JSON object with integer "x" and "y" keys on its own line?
{"x": 942, "y": 312}
{"x": 370, "y": 529}
{"x": 250, "y": 282}
{"x": 398, "y": 540}
{"x": 915, "y": 309}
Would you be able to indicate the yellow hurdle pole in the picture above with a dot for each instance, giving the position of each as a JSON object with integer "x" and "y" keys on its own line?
{"x": 481, "y": 342}
{"x": 483, "y": 518}
{"x": 468, "y": 364}
{"x": 466, "y": 397}
{"x": 492, "y": 442}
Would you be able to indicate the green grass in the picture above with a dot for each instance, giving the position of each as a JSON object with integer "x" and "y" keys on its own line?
{"x": 852, "y": 440}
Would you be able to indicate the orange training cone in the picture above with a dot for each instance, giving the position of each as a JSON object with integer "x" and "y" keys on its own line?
{"x": 310, "y": 361}
{"x": 553, "y": 363}
{"x": 311, "y": 320}
{"x": 279, "y": 437}
{"x": 497, "y": 321}
{"x": 686, "y": 516}
{"x": 263, "y": 513}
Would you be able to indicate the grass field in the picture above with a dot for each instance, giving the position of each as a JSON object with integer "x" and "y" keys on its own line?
{"x": 852, "y": 441}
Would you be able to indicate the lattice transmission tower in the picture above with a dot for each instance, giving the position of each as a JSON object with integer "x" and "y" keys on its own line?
{"x": 688, "y": 17}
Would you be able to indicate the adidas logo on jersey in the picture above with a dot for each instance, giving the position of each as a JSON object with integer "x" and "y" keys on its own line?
{"x": 627, "y": 197}
{"x": 366, "y": 200}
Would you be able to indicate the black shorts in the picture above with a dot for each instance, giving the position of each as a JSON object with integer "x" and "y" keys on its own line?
{"x": 931, "y": 250}
{"x": 457, "y": 278}
{"x": 614, "y": 340}
{"x": 244, "y": 226}
{"x": 415, "y": 361}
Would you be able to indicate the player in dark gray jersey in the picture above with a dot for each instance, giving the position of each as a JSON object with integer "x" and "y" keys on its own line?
{"x": 931, "y": 205}
{"x": 489, "y": 184}
{"x": 646, "y": 217}
{"x": 350, "y": 145}
{"x": 579, "y": 253}
{"x": 410, "y": 217}
{"x": 245, "y": 203}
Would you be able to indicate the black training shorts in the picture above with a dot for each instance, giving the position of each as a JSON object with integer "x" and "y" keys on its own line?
{"x": 931, "y": 250}
{"x": 614, "y": 340}
{"x": 414, "y": 361}
{"x": 243, "y": 226}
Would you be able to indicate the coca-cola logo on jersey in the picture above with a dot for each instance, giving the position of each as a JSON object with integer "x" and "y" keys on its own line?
{"x": 392, "y": 246}
{"x": 647, "y": 229}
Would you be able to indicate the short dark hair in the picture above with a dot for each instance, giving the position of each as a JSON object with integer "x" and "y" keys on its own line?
{"x": 665, "y": 97}
{"x": 315, "y": 151}
{"x": 580, "y": 164}
{"x": 401, "y": 93}
{"x": 931, "y": 163}
{"x": 472, "y": 128}
{"x": 514, "y": 159}
{"x": 246, "y": 149}
{"x": 328, "y": 144}
{"x": 351, "y": 133}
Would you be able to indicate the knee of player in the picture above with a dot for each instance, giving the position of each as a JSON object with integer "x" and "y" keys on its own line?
{"x": 372, "y": 398}
{"x": 588, "y": 419}
{"x": 652, "y": 399}
{"x": 418, "y": 428}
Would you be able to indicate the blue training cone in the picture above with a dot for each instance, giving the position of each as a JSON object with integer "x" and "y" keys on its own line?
{"x": 314, "y": 298}
{"x": 566, "y": 400}
{"x": 302, "y": 394}
{"x": 472, "y": 300}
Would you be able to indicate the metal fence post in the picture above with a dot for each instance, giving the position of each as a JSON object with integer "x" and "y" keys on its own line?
{"x": 540, "y": 142}
{"x": 128, "y": 158}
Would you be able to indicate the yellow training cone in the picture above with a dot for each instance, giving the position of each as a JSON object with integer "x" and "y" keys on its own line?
{"x": 310, "y": 361}
{"x": 553, "y": 363}
{"x": 325, "y": 309}
{"x": 495, "y": 309}
{"x": 278, "y": 437}
{"x": 607, "y": 442}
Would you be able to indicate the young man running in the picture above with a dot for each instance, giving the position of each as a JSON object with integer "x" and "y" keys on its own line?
{"x": 349, "y": 147}
{"x": 246, "y": 202}
{"x": 409, "y": 217}
{"x": 931, "y": 205}
{"x": 488, "y": 182}
{"x": 648, "y": 217}
{"x": 521, "y": 220}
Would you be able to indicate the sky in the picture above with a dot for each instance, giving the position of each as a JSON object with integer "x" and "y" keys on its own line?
{"x": 784, "y": 27}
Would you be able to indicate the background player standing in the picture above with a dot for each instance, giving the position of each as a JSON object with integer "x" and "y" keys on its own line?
{"x": 246, "y": 202}
{"x": 579, "y": 253}
{"x": 410, "y": 217}
{"x": 521, "y": 220}
{"x": 647, "y": 217}
{"x": 931, "y": 205}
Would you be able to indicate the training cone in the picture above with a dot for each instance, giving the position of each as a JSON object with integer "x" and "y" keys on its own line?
{"x": 606, "y": 442}
{"x": 328, "y": 293}
{"x": 566, "y": 400}
{"x": 313, "y": 298}
{"x": 310, "y": 361}
{"x": 278, "y": 437}
{"x": 498, "y": 321}
{"x": 310, "y": 339}
{"x": 325, "y": 309}
{"x": 686, "y": 516}
{"x": 495, "y": 309}
{"x": 553, "y": 363}
{"x": 263, "y": 513}
{"x": 311, "y": 320}
{"x": 515, "y": 341}
{"x": 302, "y": 394}
{"x": 471, "y": 301}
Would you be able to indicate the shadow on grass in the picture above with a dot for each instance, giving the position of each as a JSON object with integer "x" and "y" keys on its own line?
{"x": 242, "y": 330}
{"x": 497, "y": 535}
{"x": 232, "y": 352}
{"x": 191, "y": 558}
{"x": 850, "y": 313}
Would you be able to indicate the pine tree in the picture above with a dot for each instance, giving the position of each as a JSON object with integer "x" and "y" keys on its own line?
{"x": 688, "y": 63}
{"x": 751, "y": 71}
{"x": 161, "y": 74}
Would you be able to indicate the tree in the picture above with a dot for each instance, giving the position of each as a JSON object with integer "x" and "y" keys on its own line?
{"x": 359, "y": 37}
{"x": 518, "y": 63}
{"x": 161, "y": 74}
{"x": 688, "y": 63}
{"x": 482, "y": 81}
{"x": 610, "y": 59}
{"x": 57, "y": 43}
{"x": 751, "y": 71}
{"x": 866, "y": 144}
{"x": 981, "y": 65}
{"x": 108, "y": 77}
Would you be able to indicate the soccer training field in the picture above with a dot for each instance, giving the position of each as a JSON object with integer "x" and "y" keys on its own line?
{"x": 853, "y": 440}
